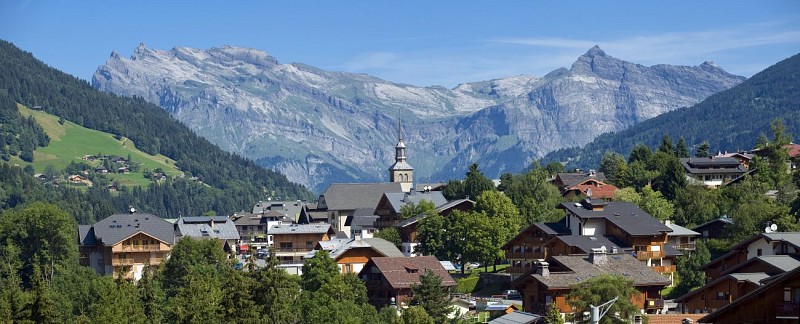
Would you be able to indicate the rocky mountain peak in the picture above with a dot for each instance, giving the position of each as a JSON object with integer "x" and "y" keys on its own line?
{"x": 595, "y": 51}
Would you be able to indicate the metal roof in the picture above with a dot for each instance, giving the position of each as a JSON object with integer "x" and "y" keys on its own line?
{"x": 116, "y": 228}
{"x": 300, "y": 229}
{"x": 517, "y": 317}
{"x": 218, "y": 227}
{"x": 400, "y": 199}
{"x": 350, "y": 196}
{"x": 678, "y": 230}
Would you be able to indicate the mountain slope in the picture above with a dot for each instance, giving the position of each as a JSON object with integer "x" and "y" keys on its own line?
{"x": 730, "y": 120}
{"x": 30, "y": 82}
{"x": 318, "y": 126}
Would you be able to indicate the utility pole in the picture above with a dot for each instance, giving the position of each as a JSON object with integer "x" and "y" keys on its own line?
{"x": 597, "y": 312}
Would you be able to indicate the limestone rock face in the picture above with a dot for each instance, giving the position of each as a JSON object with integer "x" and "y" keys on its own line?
{"x": 319, "y": 127}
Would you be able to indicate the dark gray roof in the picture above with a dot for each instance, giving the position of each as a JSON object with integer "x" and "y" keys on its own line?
{"x": 587, "y": 243}
{"x": 300, "y": 229}
{"x": 751, "y": 277}
{"x": 671, "y": 251}
{"x": 250, "y": 220}
{"x": 384, "y": 247}
{"x": 350, "y": 196}
{"x": 554, "y": 228}
{"x": 361, "y": 221}
{"x": 781, "y": 263}
{"x": 747, "y": 298}
{"x": 627, "y": 216}
{"x": 218, "y": 227}
{"x": 453, "y": 203}
{"x": 792, "y": 238}
{"x": 400, "y": 199}
{"x": 571, "y": 179}
{"x": 288, "y": 208}
{"x": 115, "y": 228}
{"x": 517, "y": 317}
{"x": 582, "y": 269}
{"x": 714, "y": 165}
{"x": 723, "y": 219}
{"x": 86, "y": 235}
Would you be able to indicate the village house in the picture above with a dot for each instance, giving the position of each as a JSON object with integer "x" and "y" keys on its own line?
{"x": 712, "y": 171}
{"x": 735, "y": 283}
{"x": 408, "y": 228}
{"x": 681, "y": 238}
{"x": 715, "y": 228}
{"x": 309, "y": 214}
{"x": 362, "y": 223}
{"x": 776, "y": 243}
{"x": 293, "y": 242}
{"x": 209, "y": 227}
{"x": 351, "y": 254}
{"x": 123, "y": 244}
{"x": 341, "y": 200}
{"x": 623, "y": 224}
{"x": 252, "y": 228}
{"x": 550, "y": 282}
{"x": 389, "y": 279}
{"x": 775, "y": 301}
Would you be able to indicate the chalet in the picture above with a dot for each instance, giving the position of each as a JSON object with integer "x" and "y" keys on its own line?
{"x": 112, "y": 188}
{"x": 123, "y": 244}
{"x": 776, "y": 301}
{"x": 735, "y": 283}
{"x": 390, "y": 204}
{"x": 408, "y": 228}
{"x": 548, "y": 284}
{"x": 342, "y": 199}
{"x": 352, "y": 254}
{"x": 124, "y": 170}
{"x": 294, "y": 241}
{"x": 621, "y": 223}
{"x": 101, "y": 170}
{"x": 362, "y": 223}
{"x": 290, "y": 209}
{"x": 390, "y": 278}
{"x": 715, "y": 228}
{"x": 75, "y": 178}
{"x": 563, "y": 181}
{"x": 214, "y": 227}
{"x": 712, "y": 171}
{"x": 776, "y": 243}
{"x": 252, "y": 228}
{"x": 681, "y": 238}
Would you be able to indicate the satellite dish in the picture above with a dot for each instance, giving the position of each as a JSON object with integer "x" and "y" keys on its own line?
{"x": 767, "y": 229}
{"x": 774, "y": 227}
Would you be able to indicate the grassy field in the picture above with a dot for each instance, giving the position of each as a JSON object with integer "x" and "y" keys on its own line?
{"x": 70, "y": 142}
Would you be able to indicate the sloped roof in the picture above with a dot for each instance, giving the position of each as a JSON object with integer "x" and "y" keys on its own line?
{"x": 349, "y": 196}
{"x": 116, "y": 228}
{"x": 781, "y": 263}
{"x": 362, "y": 217}
{"x": 384, "y": 247}
{"x": 301, "y": 229}
{"x": 712, "y": 165}
{"x": 581, "y": 268}
{"x": 554, "y": 228}
{"x": 400, "y": 199}
{"x": 517, "y": 317}
{"x": 587, "y": 243}
{"x": 627, "y": 216}
{"x": 792, "y": 238}
{"x": 678, "y": 230}
{"x": 397, "y": 272}
{"x": 597, "y": 191}
{"x": 723, "y": 219}
{"x": 779, "y": 279}
{"x": 218, "y": 227}
{"x": 571, "y": 179}
{"x": 86, "y": 235}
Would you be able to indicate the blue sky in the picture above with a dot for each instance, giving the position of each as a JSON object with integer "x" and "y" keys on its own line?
{"x": 417, "y": 42}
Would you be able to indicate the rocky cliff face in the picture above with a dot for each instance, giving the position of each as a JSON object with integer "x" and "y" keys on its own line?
{"x": 318, "y": 126}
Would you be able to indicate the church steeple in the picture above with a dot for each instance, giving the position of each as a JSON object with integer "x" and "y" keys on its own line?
{"x": 401, "y": 171}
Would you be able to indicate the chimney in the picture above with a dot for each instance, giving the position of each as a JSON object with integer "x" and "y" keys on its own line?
{"x": 542, "y": 268}
{"x": 667, "y": 222}
{"x": 598, "y": 256}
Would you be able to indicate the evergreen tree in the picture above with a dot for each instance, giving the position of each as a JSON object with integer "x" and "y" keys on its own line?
{"x": 690, "y": 269}
{"x": 613, "y": 166}
{"x": 390, "y": 234}
{"x": 703, "y": 150}
{"x": 475, "y": 183}
{"x": 554, "y": 315}
{"x": 640, "y": 152}
{"x": 682, "y": 151}
{"x": 41, "y": 308}
{"x": 430, "y": 295}
{"x": 318, "y": 271}
{"x": 275, "y": 293}
{"x": 151, "y": 296}
{"x": 416, "y": 315}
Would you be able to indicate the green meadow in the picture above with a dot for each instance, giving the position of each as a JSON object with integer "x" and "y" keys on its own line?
{"x": 70, "y": 142}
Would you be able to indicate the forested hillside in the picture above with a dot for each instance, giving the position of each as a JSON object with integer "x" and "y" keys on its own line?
{"x": 730, "y": 120}
{"x": 235, "y": 182}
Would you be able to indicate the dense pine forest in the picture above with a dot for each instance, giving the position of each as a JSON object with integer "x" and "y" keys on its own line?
{"x": 729, "y": 121}
{"x": 234, "y": 183}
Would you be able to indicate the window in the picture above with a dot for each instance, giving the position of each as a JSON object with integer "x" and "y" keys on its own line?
{"x": 309, "y": 245}
{"x": 758, "y": 252}
{"x": 347, "y": 268}
{"x": 787, "y": 294}
{"x": 286, "y": 245}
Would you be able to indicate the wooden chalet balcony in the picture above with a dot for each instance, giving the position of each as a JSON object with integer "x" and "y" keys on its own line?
{"x": 787, "y": 310}
{"x": 140, "y": 248}
{"x": 122, "y": 261}
{"x": 154, "y": 261}
{"x": 654, "y": 303}
{"x": 524, "y": 255}
{"x": 645, "y": 255}
{"x": 291, "y": 250}
{"x": 685, "y": 246}
{"x": 665, "y": 269}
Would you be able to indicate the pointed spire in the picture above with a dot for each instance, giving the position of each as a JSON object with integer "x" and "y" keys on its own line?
{"x": 399, "y": 126}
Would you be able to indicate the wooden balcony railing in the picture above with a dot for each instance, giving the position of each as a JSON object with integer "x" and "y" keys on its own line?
{"x": 685, "y": 246}
{"x": 665, "y": 269}
{"x": 788, "y": 310}
{"x": 524, "y": 255}
{"x": 140, "y": 248}
{"x": 155, "y": 261}
{"x": 121, "y": 261}
{"x": 288, "y": 250}
{"x": 645, "y": 255}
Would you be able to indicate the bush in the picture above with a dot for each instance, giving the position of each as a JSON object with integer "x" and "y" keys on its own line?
{"x": 468, "y": 284}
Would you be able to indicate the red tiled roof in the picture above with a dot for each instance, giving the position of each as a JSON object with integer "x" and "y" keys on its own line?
{"x": 400, "y": 271}
{"x": 793, "y": 149}
{"x": 599, "y": 191}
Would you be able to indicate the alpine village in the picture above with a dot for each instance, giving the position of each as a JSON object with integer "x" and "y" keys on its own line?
{"x": 113, "y": 211}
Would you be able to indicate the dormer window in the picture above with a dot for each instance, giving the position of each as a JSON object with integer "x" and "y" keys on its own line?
{"x": 411, "y": 269}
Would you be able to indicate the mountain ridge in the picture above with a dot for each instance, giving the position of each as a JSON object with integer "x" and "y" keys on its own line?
{"x": 315, "y": 125}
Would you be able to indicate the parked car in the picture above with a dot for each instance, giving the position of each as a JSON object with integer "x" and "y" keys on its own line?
{"x": 512, "y": 294}
{"x": 238, "y": 266}
{"x": 262, "y": 254}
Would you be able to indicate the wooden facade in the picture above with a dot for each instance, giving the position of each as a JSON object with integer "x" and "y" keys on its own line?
{"x": 716, "y": 295}
{"x": 354, "y": 259}
{"x": 776, "y": 302}
{"x": 290, "y": 248}
{"x": 539, "y": 298}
